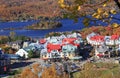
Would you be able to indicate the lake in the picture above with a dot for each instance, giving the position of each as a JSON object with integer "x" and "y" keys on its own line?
{"x": 68, "y": 25}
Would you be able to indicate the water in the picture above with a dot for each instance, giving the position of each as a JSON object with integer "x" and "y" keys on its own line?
{"x": 68, "y": 25}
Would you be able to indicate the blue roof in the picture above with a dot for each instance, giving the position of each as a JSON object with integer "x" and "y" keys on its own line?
{"x": 11, "y": 56}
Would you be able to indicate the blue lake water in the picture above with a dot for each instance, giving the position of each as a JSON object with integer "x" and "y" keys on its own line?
{"x": 68, "y": 25}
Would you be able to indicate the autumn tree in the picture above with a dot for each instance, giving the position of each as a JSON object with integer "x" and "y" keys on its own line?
{"x": 52, "y": 73}
{"x": 27, "y": 73}
{"x": 37, "y": 71}
{"x": 91, "y": 10}
{"x": 12, "y": 34}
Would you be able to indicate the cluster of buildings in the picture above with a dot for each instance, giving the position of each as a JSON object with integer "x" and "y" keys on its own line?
{"x": 104, "y": 44}
{"x": 64, "y": 46}
{"x": 61, "y": 46}
{"x": 68, "y": 46}
{"x": 54, "y": 47}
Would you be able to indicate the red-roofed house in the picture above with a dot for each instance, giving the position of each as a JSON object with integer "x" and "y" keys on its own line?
{"x": 114, "y": 40}
{"x": 56, "y": 47}
{"x": 114, "y": 37}
{"x": 51, "y": 47}
{"x": 97, "y": 40}
{"x": 53, "y": 50}
{"x": 68, "y": 40}
{"x": 42, "y": 41}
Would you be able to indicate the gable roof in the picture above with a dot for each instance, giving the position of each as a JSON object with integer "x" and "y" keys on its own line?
{"x": 51, "y": 47}
{"x": 97, "y": 38}
{"x": 42, "y": 41}
{"x": 68, "y": 40}
{"x": 114, "y": 37}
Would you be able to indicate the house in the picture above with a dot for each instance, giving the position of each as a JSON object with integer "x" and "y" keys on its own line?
{"x": 22, "y": 53}
{"x": 100, "y": 42}
{"x": 44, "y": 54}
{"x": 68, "y": 51}
{"x": 55, "y": 51}
{"x": 68, "y": 40}
{"x": 114, "y": 39}
{"x": 53, "y": 40}
{"x": 76, "y": 35}
{"x": 35, "y": 45}
{"x": 29, "y": 48}
{"x": 60, "y": 46}
{"x": 107, "y": 40}
{"x": 25, "y": 44}
{"x": 15, "y": 45}
{"x": 89, "y": 36}
{"x": 95, "y": 39}
{"x": 102, "y": 51}
{"x": 42, "y": 41}
{"x": 78, "y": 41}
{"x": 52, "y": 51}
{"x": 62, "y": 36}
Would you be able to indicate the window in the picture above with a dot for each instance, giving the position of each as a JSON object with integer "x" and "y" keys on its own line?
{"x": 69, "y": 54}
{"x": 45, "y": 55}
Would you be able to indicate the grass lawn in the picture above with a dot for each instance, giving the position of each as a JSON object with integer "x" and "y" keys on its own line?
{"x": 99, "y": 70}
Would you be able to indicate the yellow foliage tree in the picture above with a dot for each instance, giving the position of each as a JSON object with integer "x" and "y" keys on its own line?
{"x": 98, "y": 9}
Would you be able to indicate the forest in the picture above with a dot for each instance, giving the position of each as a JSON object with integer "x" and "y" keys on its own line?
{"x": 28, "y": 9}
{"x": 17, "y": 10}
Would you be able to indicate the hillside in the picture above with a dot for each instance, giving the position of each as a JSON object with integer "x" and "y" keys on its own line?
{"x": 33, "y": 9}
{"x": 28, "y": 9}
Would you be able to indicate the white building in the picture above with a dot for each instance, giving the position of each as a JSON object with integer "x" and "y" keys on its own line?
{"x": 22, "y": 53}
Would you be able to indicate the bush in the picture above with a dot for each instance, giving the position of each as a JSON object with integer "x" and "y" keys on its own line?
{"x": 30, "y": 54}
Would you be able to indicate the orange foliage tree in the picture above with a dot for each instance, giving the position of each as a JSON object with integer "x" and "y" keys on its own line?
{"x": 35, "y": 69}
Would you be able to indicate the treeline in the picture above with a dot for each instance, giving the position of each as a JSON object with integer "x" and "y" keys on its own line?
{"x": 5, "y": 39}
{"x": 102, "y": 30}
{"x": 105, "y": 31}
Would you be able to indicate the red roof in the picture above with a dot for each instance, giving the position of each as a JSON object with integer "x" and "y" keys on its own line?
{"x": 114, "y": 37}
{"x": 42, "y": 41}
{"x": 77, "y": 45}
{"x": 51, "y": 47}
{"x": 100, "y": 55}
{"x": 68, "y": 40}
{"x": 97, "y": 38}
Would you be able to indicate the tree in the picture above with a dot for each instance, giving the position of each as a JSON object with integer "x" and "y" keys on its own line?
{"x": 12, "y": 34}
{"x": 30, "y": 54}
{"x": 90, "y": 10}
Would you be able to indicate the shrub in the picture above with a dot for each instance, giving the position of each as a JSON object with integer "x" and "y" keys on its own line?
{"x": 30, "y": 54}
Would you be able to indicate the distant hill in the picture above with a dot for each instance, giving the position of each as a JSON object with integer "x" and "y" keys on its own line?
{"x": 34, "y": 9}
{"x": 28, "y": 9}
